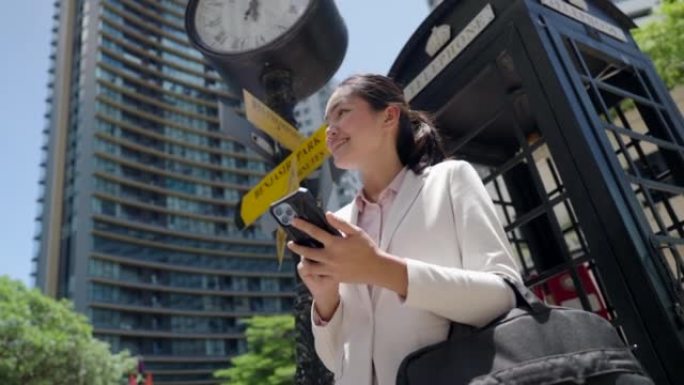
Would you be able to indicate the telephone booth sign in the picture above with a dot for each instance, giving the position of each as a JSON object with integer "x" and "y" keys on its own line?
{"x": 581, "y": 148}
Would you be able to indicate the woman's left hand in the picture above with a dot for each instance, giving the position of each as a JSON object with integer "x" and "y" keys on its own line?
{"x": 351, "y": 258}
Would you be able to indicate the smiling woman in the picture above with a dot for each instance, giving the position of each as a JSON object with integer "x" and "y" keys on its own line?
{"x": 422, "y": 245}
{"x": 355, "y": 106}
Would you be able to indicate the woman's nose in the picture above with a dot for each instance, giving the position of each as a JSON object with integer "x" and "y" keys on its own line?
{"x": 331, "y": 131}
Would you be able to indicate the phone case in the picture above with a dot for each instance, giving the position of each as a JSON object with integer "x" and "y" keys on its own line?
{"x": 302, "y": 204}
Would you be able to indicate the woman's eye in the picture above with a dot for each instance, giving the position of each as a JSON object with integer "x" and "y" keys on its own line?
{"x": 341, "y": 112}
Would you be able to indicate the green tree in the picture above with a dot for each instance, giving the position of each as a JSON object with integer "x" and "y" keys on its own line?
{"x": 270, "y": 357}
{"x": 663, "y": 40}
{"x": 45, "y": 342}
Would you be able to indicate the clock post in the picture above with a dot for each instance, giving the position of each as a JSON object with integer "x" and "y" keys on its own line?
{"x": 280, "y": 98}
{"x": 281, "y": 52}
{"x": 279, "y": 94}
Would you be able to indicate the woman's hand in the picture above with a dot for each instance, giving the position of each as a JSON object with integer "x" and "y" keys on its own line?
{"x": 351, "y": 258}
{"x": 324, "y": 290}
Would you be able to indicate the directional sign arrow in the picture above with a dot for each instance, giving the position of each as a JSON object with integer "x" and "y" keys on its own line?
{"x": 267, "y": 120}
{"x": 309, "y": 156}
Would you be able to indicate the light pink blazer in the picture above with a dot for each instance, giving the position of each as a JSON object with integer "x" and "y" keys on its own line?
{"x": 445, "y": 226}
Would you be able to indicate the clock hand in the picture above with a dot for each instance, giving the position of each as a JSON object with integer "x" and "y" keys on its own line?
{"x": 253, "y": 10}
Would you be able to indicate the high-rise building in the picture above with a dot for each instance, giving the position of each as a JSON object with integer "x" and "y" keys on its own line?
{"x": 310, "y": 112}
{"x": 139, "y": 191}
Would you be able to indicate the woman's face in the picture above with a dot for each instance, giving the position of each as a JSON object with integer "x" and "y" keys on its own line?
{"x": 356, "y": 133}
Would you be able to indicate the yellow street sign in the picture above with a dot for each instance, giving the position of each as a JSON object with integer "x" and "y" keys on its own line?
{"x": 308, "y": 156}
{"x": 268, "y": 121}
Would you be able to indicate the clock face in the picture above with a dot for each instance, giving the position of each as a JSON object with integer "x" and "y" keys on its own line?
{"x": 236, "y": 26}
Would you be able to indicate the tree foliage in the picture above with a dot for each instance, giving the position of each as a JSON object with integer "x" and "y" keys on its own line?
{"x": 663, "y": 40}
{"x": 45, "y": 342}
{"x": 270, "y": 357}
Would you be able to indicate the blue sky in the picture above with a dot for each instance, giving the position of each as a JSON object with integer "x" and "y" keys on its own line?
{"x": 378, "y": 29}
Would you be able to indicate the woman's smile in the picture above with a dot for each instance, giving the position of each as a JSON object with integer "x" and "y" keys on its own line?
{"x": 335, "y": 144}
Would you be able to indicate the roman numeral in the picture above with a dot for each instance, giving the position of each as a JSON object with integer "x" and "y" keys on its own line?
{"x": 221, "y": 36}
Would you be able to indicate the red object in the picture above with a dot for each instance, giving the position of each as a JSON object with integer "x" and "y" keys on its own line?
{"x": 148, "y": 379}
{"x": 560, "y": 290}
{"x": 132, "y": 380}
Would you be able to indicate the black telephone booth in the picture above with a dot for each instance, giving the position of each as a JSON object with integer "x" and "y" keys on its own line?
{"x": 581, "y": 148}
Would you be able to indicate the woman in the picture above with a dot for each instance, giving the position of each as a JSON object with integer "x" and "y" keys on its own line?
{"x": 422, "y": 244}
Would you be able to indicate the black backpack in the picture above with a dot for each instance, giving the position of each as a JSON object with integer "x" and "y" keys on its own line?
{"x": 533, "y": 344}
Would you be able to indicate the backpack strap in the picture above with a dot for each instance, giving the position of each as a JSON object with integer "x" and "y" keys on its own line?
{"x": 525, "y": 298}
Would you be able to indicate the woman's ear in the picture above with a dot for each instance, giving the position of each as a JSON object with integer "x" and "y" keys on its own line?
{"x": 391, "y": 115}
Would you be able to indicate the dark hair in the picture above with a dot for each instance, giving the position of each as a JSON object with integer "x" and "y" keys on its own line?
{"x": 418, "y": 143}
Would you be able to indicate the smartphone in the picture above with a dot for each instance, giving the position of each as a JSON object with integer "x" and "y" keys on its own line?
{"x": 301, "y": 204}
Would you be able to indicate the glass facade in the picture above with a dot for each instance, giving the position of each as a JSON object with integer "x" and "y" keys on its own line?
{"x": 148, "y": 247}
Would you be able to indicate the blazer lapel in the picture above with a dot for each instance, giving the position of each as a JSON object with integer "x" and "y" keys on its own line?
{"x": 407, "y": 194}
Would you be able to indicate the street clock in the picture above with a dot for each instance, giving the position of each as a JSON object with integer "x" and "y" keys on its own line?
{"x": 240, "y": 26}
{"x": 244, "y": 39}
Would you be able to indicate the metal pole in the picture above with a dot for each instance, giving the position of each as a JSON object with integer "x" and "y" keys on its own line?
{"x": 310, "y": 370}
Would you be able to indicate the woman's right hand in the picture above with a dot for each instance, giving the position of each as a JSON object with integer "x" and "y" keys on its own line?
{"x": 324, "y": 289}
